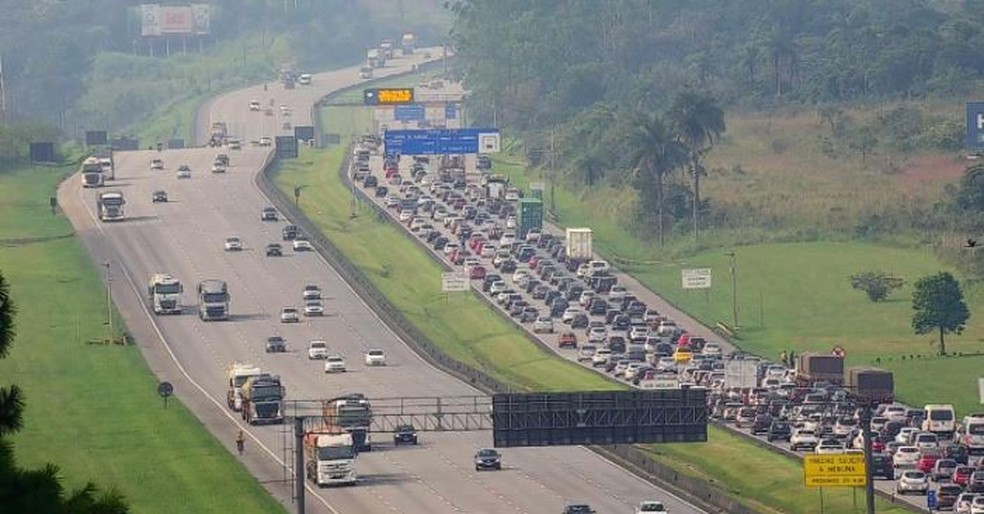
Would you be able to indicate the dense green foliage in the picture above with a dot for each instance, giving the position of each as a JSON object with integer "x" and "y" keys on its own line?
{"x": 38, "y": 491}
{"x": 939, "y": 306}
{"x": 84, "y": 64}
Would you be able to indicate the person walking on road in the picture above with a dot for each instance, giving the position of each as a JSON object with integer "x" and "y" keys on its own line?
{"x": 241, "y": 442}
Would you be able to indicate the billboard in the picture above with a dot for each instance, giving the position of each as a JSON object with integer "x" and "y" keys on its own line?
{"x": 43, "y": 151}
{"x": 441, "y": 141}
{"x": 387, "y": 96}
{"x": 95, "y": 137}
{"x": 699, "y": 278}
{"x": 286, "y": 147}
{"x": 409, "y": 112}
{"x": 164, "y": 20}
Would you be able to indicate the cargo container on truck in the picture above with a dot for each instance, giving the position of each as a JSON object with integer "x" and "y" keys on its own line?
{"x": 577, "y": 246}
{"x": 812, "y": 368}
{"x": 330, "y": 458}
{"x": 871, "y": 384}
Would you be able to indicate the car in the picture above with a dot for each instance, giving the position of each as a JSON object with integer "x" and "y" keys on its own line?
{"x": 963, "y": 503}
{"x": 961, "y": 475}
{"x": 579, "y": 508}
{"x": 404, "y": 434}
{"x": 266, "y": 141}
{"x": 318, "y": 350}
{"x": 218, "y": 168}
{"x": 779, "y": 431}
{"x": 156, "y": 164}
{"x": 276, "y": 344}
{"x": 234, "y": 144}
{"x": 233, "y": 244}
{"x": 912, "y": 481}
{"x": 274, "y": 250}
{"x": 269, "y": 214}
{"x": 159, "y": 196}
{"x": 313, "y": 308}
{"x": 586, "y": 352}
{"x": 254, "y": 105}
{"x": 184, "y": 171}
{"x": 289, "y": 315}
{"x": 881, "y": 466}
{"x": 943, "y": 470}
{"x": 302, "y": 245}
{"x": 828, "y": 446}
{"x": 906, "y": 456}
{"x": 543, "y": 325}
{"x": 487, "y": 458}
{"x": 289, "y": 232}
{"x": 946, "y": 496}
{"x": 711, "y": 350}
{"x": 803, "y": 440}
{"x": 375, "y": 357}
{"x": 335, "y": 364}
{"x": 311, "y": 292}
{"x": 651, "y": 507}
{"x": 567, "y": 340}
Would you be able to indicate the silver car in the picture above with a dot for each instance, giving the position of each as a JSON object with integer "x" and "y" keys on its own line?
{"x": 289, "y": 315}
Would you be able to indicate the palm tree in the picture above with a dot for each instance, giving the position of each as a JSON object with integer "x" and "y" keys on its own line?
{"x": 657, "y": 153}
{"x": 697, "y": 121}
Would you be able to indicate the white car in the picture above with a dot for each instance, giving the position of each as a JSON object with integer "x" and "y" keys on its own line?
{"x": 406, "y": 215}
{"x": 266, "y": 141}
{"x": 906, "y": 434}
{"x": 977, "y": 505}
{"x": 543, "y": 325}
{"x": 913, "y": 481}
{"x": 597, "y": 335}
{"x": 156, "y": 164}
{"x": 651, "y": 507}
{"x": 289, "y": 315}
{"x": 570, "y": 313}
{"x": 488, "y": 250}
{"x": 184, "y": 172}
{"x": 302, "y": 245}
{"x": 803, "y": 440}
{"x": 906, "y": 456}
{"x": 218, "y": 168}
{"x": 318, "y": 350}
{"x": 518, "y": 275}
{"x": 375, "y": 358}
{"x": 311, "y": 292}
{"x": 600, "y": 356}
{"x": 335, "y": 364}
{"x": 829, "y": 446}
{"x": 617, "y": 293}
{"x": 254, "y": 105}
{"x": 313, "y": 308}
{"x": 233, "y": 244}
{"x": 507, "y": 239}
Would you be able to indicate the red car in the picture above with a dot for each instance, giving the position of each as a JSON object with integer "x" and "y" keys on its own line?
{"x": 534, "y": 261}
{"x": 477, "y": 273}
{"x": 961, "y": 475}
{"x": 567, "y": 340}
{"x": 927, "y": 462}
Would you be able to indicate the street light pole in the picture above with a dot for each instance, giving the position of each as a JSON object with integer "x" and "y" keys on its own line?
{"x": 553, "y": 174}
{"x": 109, "y": 300}
{"x": 734, "y": 290}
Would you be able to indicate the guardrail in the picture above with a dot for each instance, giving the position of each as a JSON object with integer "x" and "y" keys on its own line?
{"x": 703, "y": 493}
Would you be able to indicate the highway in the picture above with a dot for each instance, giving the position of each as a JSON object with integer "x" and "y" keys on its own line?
{"x": 185, "y": 237}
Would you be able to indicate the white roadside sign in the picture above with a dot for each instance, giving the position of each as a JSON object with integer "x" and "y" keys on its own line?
{"x": 699, "y": 278}
{"x": 659, "y": 383}
{"x": 454, "y": 282}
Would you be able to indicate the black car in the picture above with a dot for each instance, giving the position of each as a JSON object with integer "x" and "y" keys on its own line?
{"x": 761, "y": 424}
{"x": 779, "y": 431}
{"x": 508, "y": 266}
{"x": 159, "y": 196}
{"x": 381, "y": 191}
{"x": 578, "y": 509}
{"x": 957, "y": 452}
{"x": 289, "y": 232}
{"x": 274, "y": 250}
{"x": 946, "y": 496}
{"x": 487, "y": 458}
{"x": 882, "y": 467}
{"x": 276, "y": 344}
{"x": 404, "y": 434}
{"x": 370, "y": 181}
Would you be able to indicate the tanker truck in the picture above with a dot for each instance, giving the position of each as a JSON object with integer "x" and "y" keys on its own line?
{"x": 330, "y": 458}
{"x": 165, "y": 293}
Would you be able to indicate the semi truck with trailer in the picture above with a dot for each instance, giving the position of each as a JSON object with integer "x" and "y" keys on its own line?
{"x": 213, "y": 300}
{"x": 107, "y": 163}
{"x": 262, "y": 400}
{"x": 92, "y": 174}
{"x": 352, "y": 415}
{"x": 164, "y": 292}
{"x": 239, "y": 373}
{"x": 330, "y": 458}
{"x": 409, "y": 43}
{"x": 109, "y": 205}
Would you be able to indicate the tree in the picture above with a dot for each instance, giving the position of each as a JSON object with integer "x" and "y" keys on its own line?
{"x": 657, "y": 153}
{"x": 876, "y": 284}
{"x": 697, "y": 121}
{"x": 939, "y": 305}
{"x": 37, "y": 491}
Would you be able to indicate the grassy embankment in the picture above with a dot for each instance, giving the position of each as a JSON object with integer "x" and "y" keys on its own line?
{"x": 93, "y": 409}
{"x": 797, "y": 295}
{"x": 467, "y": 331}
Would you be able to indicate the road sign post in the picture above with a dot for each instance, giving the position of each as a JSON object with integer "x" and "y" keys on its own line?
{"x": 836, "y": 470}
{"x": 699, "y": 278}
{"x": 165, "y": 389}
{"x": 931, "y": 500}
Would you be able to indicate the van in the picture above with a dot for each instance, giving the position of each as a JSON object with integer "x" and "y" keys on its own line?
{"x": 971, "y": 432}
{"x": 939, "y": 419}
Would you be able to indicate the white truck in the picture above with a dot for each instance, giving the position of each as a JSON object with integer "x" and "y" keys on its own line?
{"x": 330, "y": 459}
{"x": 375, "y": 59}
{"x": 409, "y": 43}
{"x": 578, "y": 244}
{"x": 92, "y": 173}
{"x": 971, "y": 433}
{"x": 213, "y": 300}
{"x": 165, "y": 293}
{"x": 239, "y": 373}
{"x": 109, "y": 205}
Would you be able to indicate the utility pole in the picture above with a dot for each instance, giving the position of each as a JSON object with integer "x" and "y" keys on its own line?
{"x": 3, "y": 95}
{"x": 553, "y": 174}
{"x": 299, "y": 475}
{"x": 109, "y": 301}
{"x": 734, "y": 290}
{"x": 869, "y": 487}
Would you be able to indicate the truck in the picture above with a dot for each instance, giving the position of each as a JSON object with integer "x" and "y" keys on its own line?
{"x": 812, "y": 368}
{"x": 577, "y": 247}
{"x": 375, "y": 59}
{"x": 262, "y": 400}
{"x": 352, "y": 415}
{"x": 164, "y": 292}
{"x": 386, "y": 48}
{"x": 107, "y": 163}
{"x": 872, "y": 384}
{"x": 970, "y": 433}
{"x": 218, "y": 134}
{"x": 408, "y": 43}
{"x": 92, "y": 175}
{"x": 330, "y": 458}
{"x": 213, "y": 300}
{"x": 109, "y": 205}
{"x": 741, "y": 374}
{"x": 239, "y": 373}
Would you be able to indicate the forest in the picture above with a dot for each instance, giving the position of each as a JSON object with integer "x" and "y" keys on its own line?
{"x": 586, "y": 74}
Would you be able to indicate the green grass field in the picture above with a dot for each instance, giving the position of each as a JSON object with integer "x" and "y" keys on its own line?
{"x": 411, "y": 282}
{"x": 93, "y": 409}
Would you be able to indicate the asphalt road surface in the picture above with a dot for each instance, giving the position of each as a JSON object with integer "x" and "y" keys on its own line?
{"x": 184, "y": 237}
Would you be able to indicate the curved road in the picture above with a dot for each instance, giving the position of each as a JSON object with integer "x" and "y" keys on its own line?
{"x": 184, "y": 237}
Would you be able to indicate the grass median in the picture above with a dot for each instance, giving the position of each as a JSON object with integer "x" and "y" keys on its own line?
{"x": 468, "y": 331}
{"x": 93, "y": 409}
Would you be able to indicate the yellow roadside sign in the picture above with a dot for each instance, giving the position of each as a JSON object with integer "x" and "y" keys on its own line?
{"x": 834, "y": 470}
